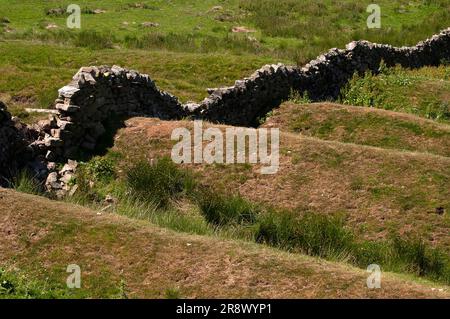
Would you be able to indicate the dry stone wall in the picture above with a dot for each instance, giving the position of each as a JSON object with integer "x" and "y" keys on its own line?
{"x": 95, "y": 95}
{"x": 323, "y": 78}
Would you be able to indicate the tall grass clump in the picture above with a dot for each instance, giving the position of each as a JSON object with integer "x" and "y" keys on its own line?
{"x": 158, "y": 183}
{"x": 222, "y": 210}
{"x": 25, "y": 182}
{"x": 407, "y": 255}
{"x": 313, "y": 234}
{"x": 93, "y": 39}
{"x": 416, "y": 257}
{"x": 171, "y": 218}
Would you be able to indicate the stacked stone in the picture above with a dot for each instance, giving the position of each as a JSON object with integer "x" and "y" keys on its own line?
{"x": 94, "y": 96}
{"x": 7, "y": 133}
{"x": 250, "y": 99}
{"x": 61, "y": 182}
{"x": 243, "y": 103}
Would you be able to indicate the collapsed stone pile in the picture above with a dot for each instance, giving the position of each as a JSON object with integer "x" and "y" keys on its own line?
{"x": 97, "y": 94}
{"x": 61, "y": 182}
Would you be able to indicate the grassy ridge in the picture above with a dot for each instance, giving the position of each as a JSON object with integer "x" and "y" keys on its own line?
{"x": 121, "y": 258}
{"x": 232, "y": 216}
{"x": 362, "y": 125}
{"x": 423, "y": 92}
{"x": 377, "y": 189}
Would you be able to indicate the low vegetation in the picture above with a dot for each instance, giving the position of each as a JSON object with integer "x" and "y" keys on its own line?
{"x": 25, "y": 182}
{"x": 130, "y": 256}
{"x": 158, "y": 183}
{"x": 363, "y": 126}
{"x": 420, "y": 92}
{"x": 169, "y": 197}
{"x": 17, "y": 286}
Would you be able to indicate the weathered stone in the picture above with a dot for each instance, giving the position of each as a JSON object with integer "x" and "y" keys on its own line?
{"x": 66, "y": 178}
{"x": 52, "y": 142}
{"x": 68, "y": 91}
{"x": 52, "y": 183}
{"x": 51, "y": 166}
{"x": 67, "y": 108}
{"x": 70, "y": 166}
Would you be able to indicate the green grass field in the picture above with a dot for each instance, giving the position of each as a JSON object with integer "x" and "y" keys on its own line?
{"x": 298, "y": 30}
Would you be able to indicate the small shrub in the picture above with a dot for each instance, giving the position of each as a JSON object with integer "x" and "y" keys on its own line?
{"x": 18, "y": 286}
{"x": 299, "y": 98}
{"x": 363, "y": 90}
{"x": 172, "y": 293}
{"x": 101, "y": 168}
{"x": 436, "y": 109}
{"x": 420, "y": 259}
{"x": 159, "y": 182}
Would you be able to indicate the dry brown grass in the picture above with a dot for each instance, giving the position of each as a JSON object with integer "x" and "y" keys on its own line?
{"x": 378, "y": 190}
{"x": 43, "y": 237}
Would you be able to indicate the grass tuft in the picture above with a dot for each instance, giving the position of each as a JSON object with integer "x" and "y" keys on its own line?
{"x": 25, "y": 182}
{"x": 222, "y": 210}
{"x": 313, "y": 234}
{"x": 160, "y": 182}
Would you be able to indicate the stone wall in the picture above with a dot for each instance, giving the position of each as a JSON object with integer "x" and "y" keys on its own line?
{"x": 95, "y": 95}
{"x": 323, "y": 78}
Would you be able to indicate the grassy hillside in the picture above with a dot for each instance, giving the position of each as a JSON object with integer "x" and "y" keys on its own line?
{"x": 123, "y": 258}
{"x": 377, "y": 189}
{"x": 296, "y": 29}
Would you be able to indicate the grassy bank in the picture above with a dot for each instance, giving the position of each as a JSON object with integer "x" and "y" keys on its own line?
{"x": 169, "y": 197}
